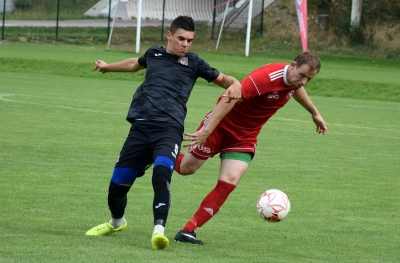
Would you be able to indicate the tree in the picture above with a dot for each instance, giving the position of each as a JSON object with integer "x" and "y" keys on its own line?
{"x": 356, "y": 9}
{"x": 322, "y": 8}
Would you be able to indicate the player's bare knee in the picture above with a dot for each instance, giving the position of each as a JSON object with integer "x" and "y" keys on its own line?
{"x": 188, "y": 170}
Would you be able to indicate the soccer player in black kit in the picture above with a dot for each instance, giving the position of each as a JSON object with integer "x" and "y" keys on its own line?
{"x": 157, "y": 115}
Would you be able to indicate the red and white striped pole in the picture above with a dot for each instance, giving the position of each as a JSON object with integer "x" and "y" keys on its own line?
{"x": 301, "y": 10}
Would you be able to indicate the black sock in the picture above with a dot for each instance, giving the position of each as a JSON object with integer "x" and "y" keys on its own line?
{"x": 117, "y": 199}
{"x": 162, "y": 198}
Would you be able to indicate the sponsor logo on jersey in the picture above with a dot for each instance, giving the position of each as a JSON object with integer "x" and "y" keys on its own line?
{"x": 157, "y": 54}
{"x": 273, "y": 95}
{"x": 184, "y": 61}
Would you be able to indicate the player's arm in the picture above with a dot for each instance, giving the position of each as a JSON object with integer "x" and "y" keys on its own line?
{"x": 232, "y": 85}
{"x": 301, "y": 96}
{"x": 231, "y": 96}
{"x": 223, "y": 107}
{"x": 128, "y": 65}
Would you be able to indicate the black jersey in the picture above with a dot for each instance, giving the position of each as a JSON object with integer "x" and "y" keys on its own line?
{"x": 168, "y": 83}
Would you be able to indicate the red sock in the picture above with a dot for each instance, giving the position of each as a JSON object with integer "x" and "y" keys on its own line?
{"x": 210, "y": 205}
{"x": 191, "y": 225}
{"x": 177, "y": 167}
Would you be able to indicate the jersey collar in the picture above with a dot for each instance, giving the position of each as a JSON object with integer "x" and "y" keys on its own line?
{"x": 285, "y": 75}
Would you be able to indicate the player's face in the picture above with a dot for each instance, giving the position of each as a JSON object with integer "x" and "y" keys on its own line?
{"x": 299, "y": 76}
{"x": 180, "y": 42}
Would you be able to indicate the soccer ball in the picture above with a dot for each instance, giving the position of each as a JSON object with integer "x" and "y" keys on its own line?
{"x": 273, "y": 205}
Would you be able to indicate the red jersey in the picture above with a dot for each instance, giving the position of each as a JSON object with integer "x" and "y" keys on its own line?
{"x": 264, "y": 92}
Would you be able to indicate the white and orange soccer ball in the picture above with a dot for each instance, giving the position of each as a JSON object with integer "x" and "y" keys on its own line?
{"x": 273, "y": 205}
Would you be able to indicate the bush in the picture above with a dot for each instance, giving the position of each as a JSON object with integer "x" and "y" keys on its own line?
{"x": 23, "y": 4}
{"x": 356, "y": 35}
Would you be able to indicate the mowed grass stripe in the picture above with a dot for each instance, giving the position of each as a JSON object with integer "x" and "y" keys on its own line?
{"x": 55, "y": 165}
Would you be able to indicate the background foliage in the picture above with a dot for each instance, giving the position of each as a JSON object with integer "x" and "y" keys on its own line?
{"x": 378, "y": 35}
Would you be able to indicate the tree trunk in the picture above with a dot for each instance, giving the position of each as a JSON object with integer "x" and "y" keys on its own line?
{"x": 323, "y": 12}
{"x": 356, "y": 9}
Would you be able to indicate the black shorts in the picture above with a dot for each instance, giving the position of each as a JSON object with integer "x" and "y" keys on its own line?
{"x": 146, "y": 141}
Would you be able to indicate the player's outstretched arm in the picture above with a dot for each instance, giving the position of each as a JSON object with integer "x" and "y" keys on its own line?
{"x": 219, "y": 112}
{"x": 232, "y": 85}
{"x": 128, "y": 65}
{"x": 301, "y": 96}
{"x": 320, "y": 123}
{"x": 231, "y": 96}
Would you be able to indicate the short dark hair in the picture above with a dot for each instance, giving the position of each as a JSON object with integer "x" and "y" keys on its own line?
{"x": 182, "y": 22}
{"x": 309, "y": 58}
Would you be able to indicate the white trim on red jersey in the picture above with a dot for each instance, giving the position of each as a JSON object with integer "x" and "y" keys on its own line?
{"x": 276, "y": 75}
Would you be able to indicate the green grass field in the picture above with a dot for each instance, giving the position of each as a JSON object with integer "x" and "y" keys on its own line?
{"x": 62, "y": 126}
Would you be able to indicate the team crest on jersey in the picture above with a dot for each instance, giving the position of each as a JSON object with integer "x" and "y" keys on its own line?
{"x": 184, "y": 61}
{"x": 289, "y": 95}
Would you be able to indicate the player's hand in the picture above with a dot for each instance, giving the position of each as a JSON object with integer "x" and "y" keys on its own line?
{"x": 320, "y": 123}
{"x": 100, "y": 65}
{"x": 234, "y": 92}
{"x": 196, "y": 139}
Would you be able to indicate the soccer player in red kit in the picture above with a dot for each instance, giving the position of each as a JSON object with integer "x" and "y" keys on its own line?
{"x": 231, "y": 129}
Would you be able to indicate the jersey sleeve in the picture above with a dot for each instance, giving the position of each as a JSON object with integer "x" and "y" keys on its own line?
{"x": 205, "y": 71}
{"x": 255, "y": 84}
{"x": 142, "y": 60}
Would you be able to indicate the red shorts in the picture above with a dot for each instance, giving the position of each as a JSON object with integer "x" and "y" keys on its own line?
{"x": 223, "y": 140}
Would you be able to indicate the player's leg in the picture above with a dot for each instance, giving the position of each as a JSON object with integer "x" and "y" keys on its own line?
{"x": 124, "y": 175}
{"x": 166, "y": 147}
{"x": 161, "y": 179}
{"x": 233, "y": 167}
{"x": 120, "y": 184}
{"x": 188, "y": 163}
